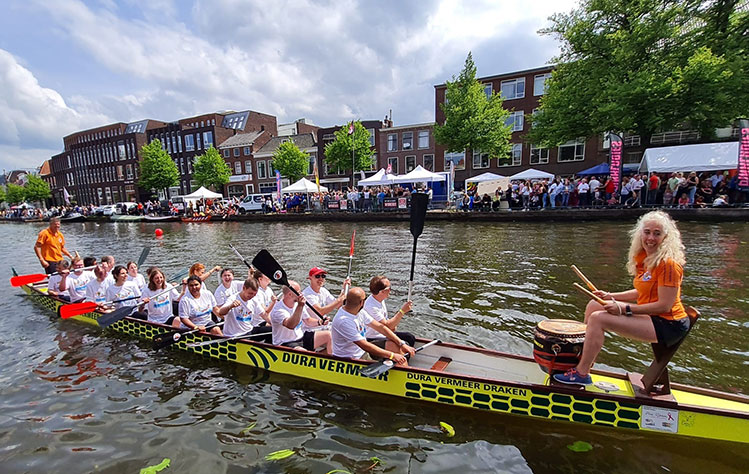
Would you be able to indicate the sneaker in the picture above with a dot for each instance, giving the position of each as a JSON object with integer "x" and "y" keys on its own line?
{"x": 573, "y": 377}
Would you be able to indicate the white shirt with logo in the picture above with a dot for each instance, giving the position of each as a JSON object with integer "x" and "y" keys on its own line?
{"x": 222, "y": 293}
{"x": 377, "y": 311}
{"x": 346, "y": 330}
{"x": 77, "y": 283}
{"x": 139, "y": 280}
{"x": 127, "y": 290}
{"x": 160, "y": 307}
{"x": 96, "y": 291}
{"x": 281, "y": 333}
{"x": 197, "y": 310}
{"x": 243, "y": 318}
{"x": 54, "y": 285}
{"x": 323, "y": 298}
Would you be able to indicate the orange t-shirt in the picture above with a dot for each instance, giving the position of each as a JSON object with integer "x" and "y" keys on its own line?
{"x": 667, "y": 273}
{"x": 51, "y": 245}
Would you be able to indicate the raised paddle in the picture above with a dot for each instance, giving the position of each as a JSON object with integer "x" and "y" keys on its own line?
{"x": 419, "y": 203}
{"x": 268, "y": 265}
{"x": 21, "y": 280}
{"x": 350, "y": 259}
{"x": 168, "y": 338}
{"x": 143, "y": 256}
{"x": 379, "y": 368}
{"x": 244, "y": 260}
{"x": 584, "y": 278}
{"x": 584, "y": 290}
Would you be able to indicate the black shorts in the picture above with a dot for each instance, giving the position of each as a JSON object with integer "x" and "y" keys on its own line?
{"x": 404, "y": 336}
{"x": 307, "y": 341}
{"x": 268, "y": 334}
{"x": 52, "y": 267}
{"x": 669, "y": 332}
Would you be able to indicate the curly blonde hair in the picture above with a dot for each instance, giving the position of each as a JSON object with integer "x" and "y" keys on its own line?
{"x": 670, "y": 247}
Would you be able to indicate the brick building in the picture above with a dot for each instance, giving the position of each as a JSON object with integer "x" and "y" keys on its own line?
{"x": 339, "y": 179}
{"x": 406, "y": 147}
{"x": 306, "y": 142}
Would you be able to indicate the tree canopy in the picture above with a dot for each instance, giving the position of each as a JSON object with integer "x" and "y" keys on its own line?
{"x": 645, "y": 67}
{"x": 14, "y": 193}
{"x": 473, "y": 121}
{"x": 157, "y": 170}
{"x": 290, "y": 161}
{"x": 339, "y": 154}
{"x": 2, "y": 194}
{"x": 36, "y": 189}
{"x": 210, "y": 170}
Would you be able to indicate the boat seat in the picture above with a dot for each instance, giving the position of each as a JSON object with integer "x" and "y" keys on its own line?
{"x": 655, "y": 381}
{"x": 441, "y": 364}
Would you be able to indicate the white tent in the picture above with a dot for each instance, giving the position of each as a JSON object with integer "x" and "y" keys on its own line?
{"x": 484, "y": 177}
{"x": 203, "y": 193}
{"x": 532, "y": 174}
{"x": 701, "y": 157}
{"x": 303, "y": 186}
{"x": 381, "y": 177}
{"x": 419, "y": 175}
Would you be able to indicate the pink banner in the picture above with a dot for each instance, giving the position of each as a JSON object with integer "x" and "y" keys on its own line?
{"x": 615, "y": 156}
{"x": 743, "y": 176}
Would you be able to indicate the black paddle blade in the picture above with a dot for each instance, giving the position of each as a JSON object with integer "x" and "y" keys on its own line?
{"x": 167, "y": 339}
{"x": 116, "y": 315}
{"x": 419, "y": 203}
{"x": 265, "y": 262}
{"x": 143, "y": 256}
{"x": 375, "y": 370}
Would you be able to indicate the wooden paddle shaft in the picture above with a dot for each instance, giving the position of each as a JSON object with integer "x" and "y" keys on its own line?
{"x": 598, "y": 300}
{"x": 584, "y": 279}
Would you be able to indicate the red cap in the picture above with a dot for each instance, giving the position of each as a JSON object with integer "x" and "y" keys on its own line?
{"x": 316, "y": 271}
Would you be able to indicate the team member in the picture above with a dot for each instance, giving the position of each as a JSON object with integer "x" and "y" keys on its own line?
{"x": 264, "y": 291}
{"x": 286, "y": 321}
{"x": 376, "y": 308}
{"x": 107, "y": 262}
{"x": 244, "y": 314}
{"x": 96, "y": 290}
{"x": 159, "y": 307}
{"x": 121, "y": 288}
{"x": 228, "y": 287}
{"x": 652, "y": 310}
{"x": 76, "y": 282}
{"x": 199, "y": 271}
{"x": 50, "y": 246}
{"x": 319, "y": 297}
{"x": 134, "y": 276}
{"x": 197, "y": 305}
{"x": 57, "y": 283}
{"x": 348, "y": 332}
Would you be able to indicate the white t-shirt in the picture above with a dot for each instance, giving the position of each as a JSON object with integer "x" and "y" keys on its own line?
{"x": 110, "y": 278}
{"x": 281, "y": 333}
{"x": 139, "y": 280}
{"x": 96, "y": 291}
{"x": 637, "y": 184}
{"x": 346, "y": 330}
{"x": 323, "y": 298}
{"x": 594, "y": 185}
{"x": 127, "y": 290}
{"x": 583, "y": 187}
{"x": 264, "y": 296}
{"x": 222, "y": 293}
{"x": 243, "y": 318}
{"x": 197, "y": 310}
{"x": 77, "y": 283}
{"x": 54, "y": 285}
{"x": 377, "y": 311}
{"x": 160, "y": 308}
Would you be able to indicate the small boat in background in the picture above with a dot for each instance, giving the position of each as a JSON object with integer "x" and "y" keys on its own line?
{"x": 73, "y": 217}
{"x": 197, "y": 219}
{"x": 125, "y": 218}
{"x": 161, "y": 218}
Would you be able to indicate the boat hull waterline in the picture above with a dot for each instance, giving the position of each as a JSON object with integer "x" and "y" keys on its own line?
{"x": 698, "y": 413}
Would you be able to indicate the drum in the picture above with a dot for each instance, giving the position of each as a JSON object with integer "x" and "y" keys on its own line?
{"x": 558, "y": 344}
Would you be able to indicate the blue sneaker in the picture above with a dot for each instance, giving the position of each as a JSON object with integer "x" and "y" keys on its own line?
{"x": 573, "y": 377}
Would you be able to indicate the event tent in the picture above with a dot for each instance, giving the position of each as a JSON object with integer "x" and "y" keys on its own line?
{"x": 419, "y": 175}
{"x": 701, "y": 157}
{"x": 484, "y": 177}
{"x": 381, "y": 177}
{"x": 532, "y": 174}
{"x": 601, "y": 168}
{"x": 203, "y": 193}
{"x": 303, "y": 186}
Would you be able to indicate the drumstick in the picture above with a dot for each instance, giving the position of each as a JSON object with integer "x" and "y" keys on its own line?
{"x": 591, "y": 295}
{"x": 584, "y": 279}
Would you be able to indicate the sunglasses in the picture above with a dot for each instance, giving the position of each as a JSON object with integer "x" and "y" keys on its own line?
{"x": 321, "y": 276}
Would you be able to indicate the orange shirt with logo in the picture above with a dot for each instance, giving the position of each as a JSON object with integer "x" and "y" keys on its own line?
{"x": 51, "y": 245}
{"x": 667, "y": 273}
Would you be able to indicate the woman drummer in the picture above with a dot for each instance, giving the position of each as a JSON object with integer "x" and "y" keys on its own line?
{"x": 652, "y": 310}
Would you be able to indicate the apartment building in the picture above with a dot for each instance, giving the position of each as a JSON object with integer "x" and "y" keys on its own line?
{"x": 406, "y": 147}
{"x": 265, "y": 181}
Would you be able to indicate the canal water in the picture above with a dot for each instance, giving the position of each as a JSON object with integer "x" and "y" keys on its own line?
{"x": 76, "y": 399}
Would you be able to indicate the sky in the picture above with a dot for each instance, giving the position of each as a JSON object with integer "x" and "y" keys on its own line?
{"x": 70, "y": 65}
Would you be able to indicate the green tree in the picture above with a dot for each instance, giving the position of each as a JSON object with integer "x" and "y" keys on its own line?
{"x": 157, "y": 170}
{"x": 349, "y": 150}
{"x": 473, "y": 121}
{"x": 290, "y": 161}
{"x": 210, "y": 170}
{"x": 14, "y": 193}
{"x": 645, "y": 67}
{"x": 37, "y": 189}
{"x": 2, "y": 194}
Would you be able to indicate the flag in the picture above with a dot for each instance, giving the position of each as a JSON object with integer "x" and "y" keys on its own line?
{"x": 351, "y": 128}
{"x": 361, "y": 173}
{"x": 66, "y": 195}
{"x": 743, "y": 171}
{"x": 615, "y": 158}
{"x": 278, "y": 186}
{"x": 390, "y": 169}
{"x": 317, "y": 177}
{"x": 452, "y": 177}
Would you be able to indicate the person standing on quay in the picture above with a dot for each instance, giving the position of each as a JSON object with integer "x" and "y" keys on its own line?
{"x": 50, "y": 246}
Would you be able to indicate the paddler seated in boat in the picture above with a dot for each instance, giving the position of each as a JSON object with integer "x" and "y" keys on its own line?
{"x": 134, "y": 276}
{"x": 56, "y": 283}
{"x": 160, "y": 308}
{"x": 652, "y": 311}
{"x": 228, "y": 287}
{"x": 376, "y": 308}
{"x": 123, "y": 289}
{"x": 244, "y": 314}
{"x": 199, "y": 271}
{"x": 265, "y": 295}
{"x": 350, "y": 326}
{"x": 320, "y": 298}
{"x": 76, "y": 281}
{"x": 286, "y": 321}
{"x": 96, "y": 290}
{"x": 197, "y": 305}
{"x": 107, "y": 262}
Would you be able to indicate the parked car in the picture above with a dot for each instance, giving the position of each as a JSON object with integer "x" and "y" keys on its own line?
{"x": 252, "y": 203}
{"x": 106, "y": 210}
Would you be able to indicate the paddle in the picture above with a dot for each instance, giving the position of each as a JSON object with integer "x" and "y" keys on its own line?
{"x": 350, "y": 259}
{"x": 419, "y": 203}
{"x": 584, "y": 278}
{"x": 265, "y": 262}
{"x": 143, "y": 256}
{"x": 242, "y": 258}
{"x": 168, "y": 338}
{"x": 379, "y": 368}
{"x": 21, "y": 280}
{"x": 246, "y": 335}
{"x": 74, "y": 309}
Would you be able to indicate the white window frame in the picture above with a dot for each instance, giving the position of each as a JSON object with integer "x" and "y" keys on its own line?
{"x": 516, "y": 119}
{"x": 246, "y": 151}
{"x": 544, "y": 87}
{"x": 482, "y": 158}
{"x": 393, "y": 160}
{"x": 236, "y": 152}
{"x": 458, "y": 166}
{"x": 208, "y": 139}
{"x": 189, "y": 143}
{"x": 392, "y": 142}
{"x": 423, "y": 135}
{"x": 424, "y": 162}
{"x": 413, "y": 163}
{"x": 248, "y": 168}
{"x": 262, "y": 171}
{"x": 237, "y": 167}
{"x": 408, "y": 137}
{"x": 371, "y": 136}
{"x": 227, "y": 153}
{"x": 515, "y": 158}
{"x": 516, "y": 85}
{"x": 579, "y": 151}
{"x": 542, "y": 154}
{"x": 488, "y": 90}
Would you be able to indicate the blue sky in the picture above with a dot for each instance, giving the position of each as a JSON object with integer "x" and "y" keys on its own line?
{"x": 69, "y": 65}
